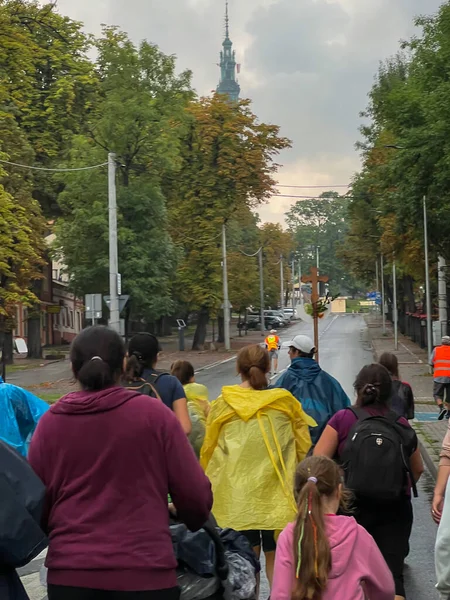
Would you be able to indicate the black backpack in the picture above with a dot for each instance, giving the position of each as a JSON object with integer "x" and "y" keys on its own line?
{"x": 143, "y": 386}
{"x": 376, "y": 456}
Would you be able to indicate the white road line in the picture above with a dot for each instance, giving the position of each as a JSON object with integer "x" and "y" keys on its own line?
{"x": 411, "y": 352}
{"x": 328, "y": 326}
{"x": 278, "y": 374}
{"x": 216, "y": 364}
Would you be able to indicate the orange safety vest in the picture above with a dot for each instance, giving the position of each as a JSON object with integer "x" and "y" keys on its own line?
{"x": 442, "y": 361}
{"x": 273, "y": 341}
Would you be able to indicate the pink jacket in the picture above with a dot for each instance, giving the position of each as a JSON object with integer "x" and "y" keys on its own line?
{"x": 358, "y": 570}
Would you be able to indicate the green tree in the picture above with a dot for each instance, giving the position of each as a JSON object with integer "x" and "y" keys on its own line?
{"x": 227, "y": 167}
{"x": 139, "y": 118}
{"x": 322, "y": 224}
{"x": 276, "y": 243}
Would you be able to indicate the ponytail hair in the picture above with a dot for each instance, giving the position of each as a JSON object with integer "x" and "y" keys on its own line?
{"x": 134, "y": 367}
{"x": 316, "y": 477}
{"x": 253, "y": 364}
{"x": 97, "y": 355}
{"x": 373, "y": 386}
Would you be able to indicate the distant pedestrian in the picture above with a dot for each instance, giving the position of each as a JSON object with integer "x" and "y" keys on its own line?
{"x": 143, "y": 351}
{"x": 381, "y": 459}
{"x": 440, "y": 361}
{"x": 20, "y": 412}
{"x": 198, "y": 401}
{"x": 402, "y": 400}
{"x": 272, "y": 343}
{"x": 323, "y": 555}
{"x": 255, "y": 437}
{"x": 109, "y": 457}
{"x": 321, "y": 394}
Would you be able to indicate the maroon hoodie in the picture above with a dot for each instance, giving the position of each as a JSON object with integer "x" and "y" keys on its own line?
{"x": 109, "y": 459}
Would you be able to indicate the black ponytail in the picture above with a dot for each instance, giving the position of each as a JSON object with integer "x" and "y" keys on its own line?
{"x": 97, "y": 355}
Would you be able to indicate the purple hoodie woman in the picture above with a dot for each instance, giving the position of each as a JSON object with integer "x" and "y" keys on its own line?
{"x": 109, "y": 457}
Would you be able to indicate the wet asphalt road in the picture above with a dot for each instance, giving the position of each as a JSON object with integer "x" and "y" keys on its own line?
{"x": 343, "y": 351}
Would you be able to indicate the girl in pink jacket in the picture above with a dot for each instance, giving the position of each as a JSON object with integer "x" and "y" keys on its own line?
{"x": 323, "y": 556}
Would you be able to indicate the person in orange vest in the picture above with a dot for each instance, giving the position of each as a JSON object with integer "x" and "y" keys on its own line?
{"x": 440, "y": 361}
{"x": 272, "y": 342}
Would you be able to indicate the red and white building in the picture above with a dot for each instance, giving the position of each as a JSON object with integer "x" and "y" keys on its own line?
{"x": 62, "y": 314}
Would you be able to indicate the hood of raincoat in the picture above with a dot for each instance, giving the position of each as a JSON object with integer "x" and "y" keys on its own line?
{"x": 343, "y": 535}
{"x": 20, "y": 412}
{"x": 306, "y": 368}
{"x": 196, "y": 391}
{"x": 246, "y": 402}
{"x": 321, "y": 394}
{"x": 254, "y": 441}
{"x": 88, "y": 402}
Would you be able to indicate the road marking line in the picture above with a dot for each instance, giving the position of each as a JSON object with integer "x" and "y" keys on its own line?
{"x": 278, "y": 374}
{"x": 216, "y": 364}
{"x": 412, "y": 353}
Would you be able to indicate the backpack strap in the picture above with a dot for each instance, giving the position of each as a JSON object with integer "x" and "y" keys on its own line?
{"x": 359, "y": 413}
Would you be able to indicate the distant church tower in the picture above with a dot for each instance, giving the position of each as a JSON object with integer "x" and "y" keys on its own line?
{"x": 228, "y": 82}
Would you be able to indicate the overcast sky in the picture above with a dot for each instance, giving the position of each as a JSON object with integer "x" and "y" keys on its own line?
{"x": 307, "y": 65}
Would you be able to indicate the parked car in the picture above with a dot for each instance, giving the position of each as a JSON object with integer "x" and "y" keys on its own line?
{"x": 278, "y": 314}
{"x": 290, "y": 312}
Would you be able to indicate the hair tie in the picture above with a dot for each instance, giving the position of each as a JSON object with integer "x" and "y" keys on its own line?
{"x": 312, "y": 479}
{"x": 97, "y": 358}
{"x": 138, "y": 355}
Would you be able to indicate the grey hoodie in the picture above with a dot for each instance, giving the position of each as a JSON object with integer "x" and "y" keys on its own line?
{"x": 442, "y": 550}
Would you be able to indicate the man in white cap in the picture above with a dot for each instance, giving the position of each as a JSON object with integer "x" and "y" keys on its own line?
{"x": 272, "y": 343}
{"x": 320, "y": 394}
{"x": 440, "y": 361}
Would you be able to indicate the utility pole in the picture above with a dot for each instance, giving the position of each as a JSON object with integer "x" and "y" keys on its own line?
{"x": 226, "y": 301}
{"x": 442, "y": 293}
{"x": 282, "y": 283}
{"x": 293, "y": 286}
{"x": 318, "y": 268}
{"x": 427, "y": 279}
{"x": 300, "y": 280}
{"x": 377, "y": 278}
{"x": 261, "y": 290}
{"x": 394, "y": 284}
{"x": 382, "y": 296}
{"x": 114, "y": 318}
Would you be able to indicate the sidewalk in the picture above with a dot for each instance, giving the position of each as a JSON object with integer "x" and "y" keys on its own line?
{"x": 413, "y": 366}
{"x": 52, "y": 379}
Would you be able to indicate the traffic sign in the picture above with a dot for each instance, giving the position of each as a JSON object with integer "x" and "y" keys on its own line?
{"x": 122, "y": 301}
{"x": 93, "y": 305}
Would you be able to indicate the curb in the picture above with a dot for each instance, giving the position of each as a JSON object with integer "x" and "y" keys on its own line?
{"x": 427, "y": 459}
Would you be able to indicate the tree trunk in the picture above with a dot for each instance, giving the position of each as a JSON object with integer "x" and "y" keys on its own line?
{"x": 200, "y": 331}
{"x": 6, "y": 348}
{"x": 34, "y": 333}
{"x": 408, "y": 289}
{"x": 239, "y": 324}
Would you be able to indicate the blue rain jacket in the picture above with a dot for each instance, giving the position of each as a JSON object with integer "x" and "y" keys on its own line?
{"x": 20, "y": 412}
{"x": 320, "y": 394}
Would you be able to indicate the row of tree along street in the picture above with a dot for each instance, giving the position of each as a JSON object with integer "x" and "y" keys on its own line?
{"x": 406, "y": 157}
{"x": 186, "y": 166}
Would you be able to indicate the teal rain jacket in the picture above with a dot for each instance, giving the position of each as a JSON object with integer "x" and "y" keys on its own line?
{"x": 321, "y": 394}
{"x": 20, "y": 412}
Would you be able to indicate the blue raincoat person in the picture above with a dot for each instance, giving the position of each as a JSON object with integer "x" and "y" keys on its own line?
{"x": 320, "y": 394}
{"x": 20, "y": 412}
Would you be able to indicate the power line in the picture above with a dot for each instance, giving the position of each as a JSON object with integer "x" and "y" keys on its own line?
{"x": 308, "y": 197}
{"x": 311, "y": 187}
{"x": 7, "y": 162}
{"x": 250, "y": 255}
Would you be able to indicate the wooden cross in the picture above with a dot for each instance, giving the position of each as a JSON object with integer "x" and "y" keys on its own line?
{"x": 314, "y": 279}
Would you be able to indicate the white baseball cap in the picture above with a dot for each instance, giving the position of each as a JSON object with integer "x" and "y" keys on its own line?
{"x": 302, "y": 343}
{"x": 273, "y": 331}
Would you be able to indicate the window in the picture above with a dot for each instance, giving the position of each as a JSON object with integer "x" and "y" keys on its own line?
{"x": 78, "y": 322}
{"x": 55, "y": 274}
{"x": 71, "y": 319}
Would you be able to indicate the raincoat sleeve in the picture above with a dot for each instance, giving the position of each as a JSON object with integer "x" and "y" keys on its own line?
{"x": 213, "y": 427}
{"x": 442, "y": 549}
{"x": 19, "y": 415}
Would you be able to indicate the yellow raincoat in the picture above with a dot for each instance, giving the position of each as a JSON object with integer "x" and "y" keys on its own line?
{"x": 254, "y": 441}
{"x": 198, "y": 406}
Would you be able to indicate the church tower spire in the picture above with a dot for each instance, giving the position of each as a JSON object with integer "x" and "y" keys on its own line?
{"x": 228, "y": 82}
